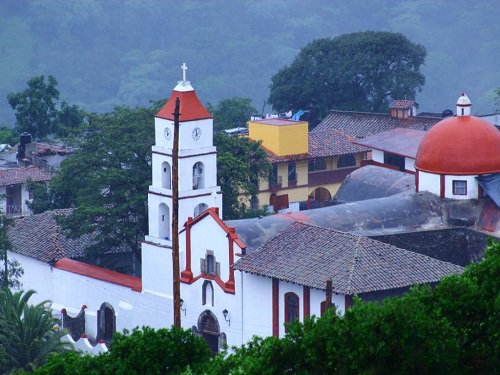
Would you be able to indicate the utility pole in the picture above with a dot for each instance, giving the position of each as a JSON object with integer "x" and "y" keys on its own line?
{"x": 329, "y": 287}
{"x": 175, "y": 218}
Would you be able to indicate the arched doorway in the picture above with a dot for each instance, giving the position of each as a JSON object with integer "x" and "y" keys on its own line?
{"x": 321, "y": 195}
{"x": 165, "y": 176}
{"x": 200, "y": 208}
{"x": 208, "y": 328}
{"x": 106, "y": 322}
{"x": 164, "y": 222}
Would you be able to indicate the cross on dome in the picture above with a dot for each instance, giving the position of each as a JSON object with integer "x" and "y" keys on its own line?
{"x": 184, "y": 68}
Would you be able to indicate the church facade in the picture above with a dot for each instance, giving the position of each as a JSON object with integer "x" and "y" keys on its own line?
{"x": 230, "y": 291}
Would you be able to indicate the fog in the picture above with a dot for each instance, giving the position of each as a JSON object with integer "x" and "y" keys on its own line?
{"x": 108, "y": 52}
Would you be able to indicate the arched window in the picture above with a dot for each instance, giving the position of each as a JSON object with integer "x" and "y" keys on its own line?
{"x": 207, "y": 293}
{"x": 202, "y": 207}
{"x": 210, "y": 264}
{"x": 164, "y": 220}
{"x": 346, "y": 161}
{"x": 165, "y": 176}
{"x": 291, "y": 307}
{"x": 106, "y": 322}
{"x": 198, "y": 176}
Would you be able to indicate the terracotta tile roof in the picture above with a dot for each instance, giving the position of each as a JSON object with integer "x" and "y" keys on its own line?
{"x": 42, "y": 149}
{"x": 402, "y": 104}
{"x": 362, "y": 124}
{"x": 330, "y": 142}
{"x": 309, "y": 255}
{"x": 40, "y": 237}
{"x": 399, "y": 141}
{"x": 12, "y": 176}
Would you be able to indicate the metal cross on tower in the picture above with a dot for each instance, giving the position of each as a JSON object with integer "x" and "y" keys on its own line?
{"x": 184, "y": 68}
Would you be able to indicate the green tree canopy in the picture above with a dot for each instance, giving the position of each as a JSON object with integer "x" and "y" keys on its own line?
{"x": 144, "y": 351}
{"x": 106, "y": 181}
{"x": 27, "y": 332}
{"x": 232, "y": 113}
{"x": 36, "y": 106}
{"x": 360, "y": 71}
{"x": 241, "y": 162}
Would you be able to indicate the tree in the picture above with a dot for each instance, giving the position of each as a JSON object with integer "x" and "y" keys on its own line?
{"x": 143, "y": 351}
{"x": 11, "y": 271}
{"x": 27, "y": 332}
{"x": 359, "y": 71}
{"x": 232, "y": 113}
{"x": 8, "y": 136}
{"x": 241, "y": 162}
{"x": 497, "y": 98}
{"x": 106, "y": 181}
{"x": 36, "y": 106}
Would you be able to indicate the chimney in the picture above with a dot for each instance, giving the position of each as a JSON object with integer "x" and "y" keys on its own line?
{"x": 402, "y": 108}
{"x": 25, "y": 139}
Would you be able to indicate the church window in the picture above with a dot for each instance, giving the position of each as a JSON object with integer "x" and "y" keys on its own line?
{"x": 346, "y": 161}
{"x": 291, "y": 307}
{"x": 207, "y": 293}
{"x": 210, "y": 264}
{"x": 202, "y": 207}
{"x": 164, "y": 229}
{"x": 165, "y": 176}
{"x": 459, "y": 187}
{"x": 198, "y": 176}
{"x": 106, "y": 322}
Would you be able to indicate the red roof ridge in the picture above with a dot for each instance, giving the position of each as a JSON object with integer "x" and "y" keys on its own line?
{"x": 99, "y": 273}
{"x": 214, "y": 213}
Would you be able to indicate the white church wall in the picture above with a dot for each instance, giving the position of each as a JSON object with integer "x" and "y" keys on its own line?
{"x": 378, "y": 156}
{"x": 160, "y": 139}
{"x": 156, "y": 270}
{"x": 187, "y": 139}
{"x": 409, "y": 164}
{"x": 257, "y": 305}
{"x": 71, "y": 291}
{"x": 429, "y": 182}
{"x": 472, "y": 187}
{"x": 318, "y": 296}
{"x": 284, "y": 288}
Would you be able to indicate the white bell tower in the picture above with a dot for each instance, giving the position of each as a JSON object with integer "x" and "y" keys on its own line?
{"x": 198, "y": 188}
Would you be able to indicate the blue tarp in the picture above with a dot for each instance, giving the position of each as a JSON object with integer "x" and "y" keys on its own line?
{"x": 491, "y": 185}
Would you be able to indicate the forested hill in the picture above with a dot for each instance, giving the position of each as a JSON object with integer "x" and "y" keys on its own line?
{"x": 109, "y": 52}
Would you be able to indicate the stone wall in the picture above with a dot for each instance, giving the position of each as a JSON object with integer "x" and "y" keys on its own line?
{"x": 455, "y": 245}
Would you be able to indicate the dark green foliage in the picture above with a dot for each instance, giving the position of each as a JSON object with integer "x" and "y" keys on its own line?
{"x": 145, "y": 351}
{"x": 8, "y": 136}
{"x": 107, "y": 179}
{"x": 240, "y": 164}
{"x": 232, "y": 113}
{"x": 359, "y": 71}
{"x": 453, "y": 329}
{"x": 36, "y": 106}
{"x": 27, "y": 332}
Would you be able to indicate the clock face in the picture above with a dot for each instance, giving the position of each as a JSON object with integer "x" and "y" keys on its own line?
{"x": 196, "y": 133}
{"x": 168, "y": 133}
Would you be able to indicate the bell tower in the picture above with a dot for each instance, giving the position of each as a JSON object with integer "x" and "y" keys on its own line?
{"x": 198, "y": 188}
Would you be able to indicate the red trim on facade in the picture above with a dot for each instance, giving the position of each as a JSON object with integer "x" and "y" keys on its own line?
{"x": 231, "y": 236}
{"x": 441, "y": 183}
{"x": 99, "y": 273}
{"x": 276, "y": 308}
{"x": 214, "y": 213}
{"x": 307, "y": 302}
{"x": 187, "y": 274}
{"x": 217, "y": 279}
{"x": 347, "y": 302}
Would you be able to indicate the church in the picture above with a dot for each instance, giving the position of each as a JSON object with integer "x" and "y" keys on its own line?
{"x": 238, "y": 279}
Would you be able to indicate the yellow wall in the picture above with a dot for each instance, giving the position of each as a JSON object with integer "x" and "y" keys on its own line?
{"x": 281, "y": 139}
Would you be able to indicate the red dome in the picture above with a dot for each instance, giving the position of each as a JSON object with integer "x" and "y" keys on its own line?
{"x": 462, "y": 145}
{"x": 190, "y": 107}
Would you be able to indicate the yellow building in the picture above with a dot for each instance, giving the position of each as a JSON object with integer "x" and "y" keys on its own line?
{"x": 308, "y": 167}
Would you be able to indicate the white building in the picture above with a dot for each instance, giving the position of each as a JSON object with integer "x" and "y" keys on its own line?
{"x": 229, "y": 292}
{"x": 455, "y": 153}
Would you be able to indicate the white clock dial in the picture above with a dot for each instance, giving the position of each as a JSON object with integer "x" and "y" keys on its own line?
{"x": 196, "y": 133}
{"x": 168, "y": 133}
